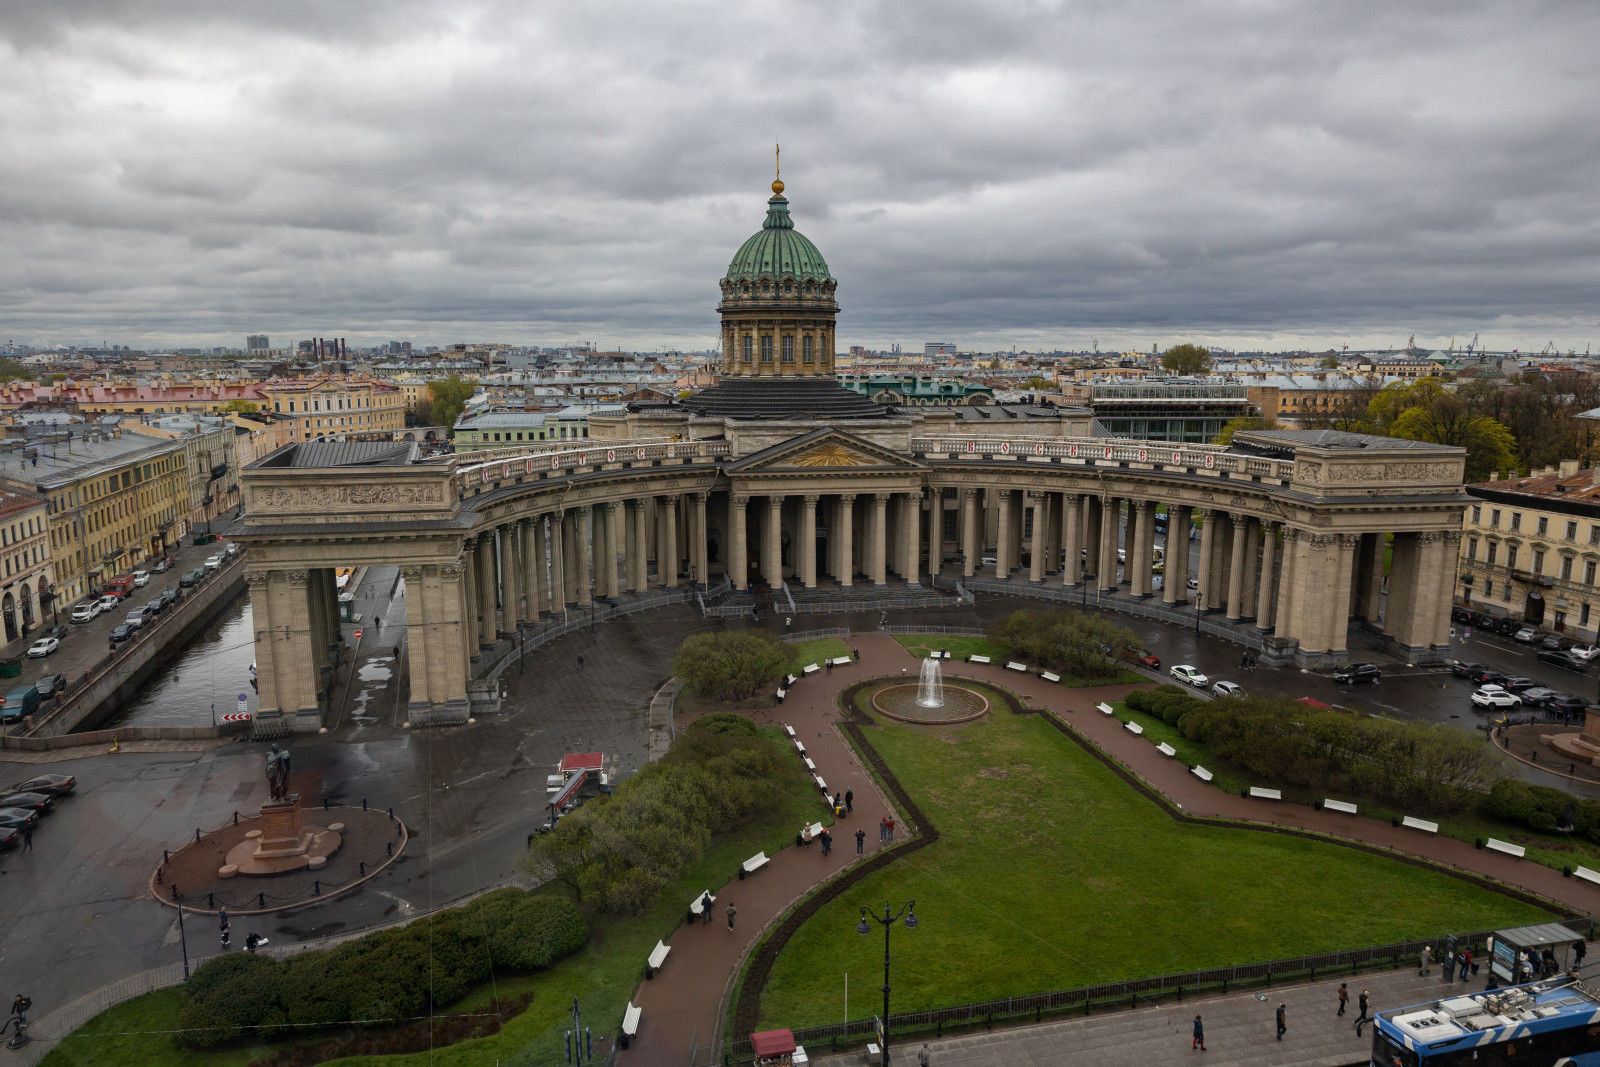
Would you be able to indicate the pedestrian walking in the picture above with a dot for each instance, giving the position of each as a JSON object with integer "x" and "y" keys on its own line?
{"x": 27, "y": 838}
{"x": 1344, "y": 998}
{"x": 1579, "y": 950}
{"x": 827, "y": 664}
{"x": 891, "y": 828}
{"x": 1282, "y": 1026}
{"x": 1425, "y": 959}
{"x": 732, "y": 911}
{"x": 580, "y": 662}
{"x": 705, "y": 908}
{"x": 922, "y": 1057}
{"x": 19, "y": 1008}
{"x": 827, "y": 843}
{"x": 1362, "y": 1002}
{"x": 883, "y": 828}
{"x": 1466, "y": 962}
{"x": 1199, "y": 1041}
{"x": 227, "y": 935}
{"x": 788, "y": 623}
{"x": 855, "y": 655}
{"x": 861, "y": 842}
{"x": 849, "y": 800}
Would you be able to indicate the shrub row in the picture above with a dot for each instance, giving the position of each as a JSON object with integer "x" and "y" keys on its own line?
{"x": 1169, "y": 703}
{"x": 618, "y": 852}
{"x": 730, "y": 664}
{"x": 383, "y": 978}
{"x": 1082, "y": 646}
{"x": 1542, "y": 808}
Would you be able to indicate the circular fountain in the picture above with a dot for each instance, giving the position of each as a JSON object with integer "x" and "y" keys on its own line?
{"x": 930, "y": 702}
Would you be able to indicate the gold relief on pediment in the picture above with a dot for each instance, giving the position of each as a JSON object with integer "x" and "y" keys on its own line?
{"x": 830, "y": 455}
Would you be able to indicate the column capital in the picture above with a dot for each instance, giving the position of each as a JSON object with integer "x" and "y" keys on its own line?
{"x": 1240, "y": 521}
{"x": 811, "y": 499}
{"x": 1071, "y": 498}
{"x": 699, "y": 496}
{"x": 411, "y": 572}
{"x": 741, "y": 502}
{"x": 882, "y": 498}
{"x": 1349, "y": 540}
{"x": 847, "y": 498}
{"x": 257, "y": 579}
{"x": 451, "y": 572}
{"x": 1430, "y": 537}
{"x": 297, "y": 578}
{"x": 969, "y": 493}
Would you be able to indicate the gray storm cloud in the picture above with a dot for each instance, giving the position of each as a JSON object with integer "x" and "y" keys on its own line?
{"x": 993, "y": 173}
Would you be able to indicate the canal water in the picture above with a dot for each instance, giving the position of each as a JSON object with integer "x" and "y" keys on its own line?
{"x": 212, "y": 672}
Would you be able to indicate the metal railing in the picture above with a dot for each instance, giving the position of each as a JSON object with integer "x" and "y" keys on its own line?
{"x": 532, "y": 638}
{"x": 948, "y": 631}
{"x": 1210, "y": 460}
{"x": 814, "y": 635}
{"x": 617, "y": 456}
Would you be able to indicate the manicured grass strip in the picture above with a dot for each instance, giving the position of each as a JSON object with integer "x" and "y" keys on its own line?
{"x": 1051, "y": 873}
{"x": 960, "y": 646}
{"x": 815, "y": 651}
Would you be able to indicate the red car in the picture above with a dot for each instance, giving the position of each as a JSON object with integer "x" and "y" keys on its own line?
{"x": 1143, "y": 657}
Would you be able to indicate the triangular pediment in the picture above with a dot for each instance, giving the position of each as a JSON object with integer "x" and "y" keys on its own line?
{"x": 824, "y": 449}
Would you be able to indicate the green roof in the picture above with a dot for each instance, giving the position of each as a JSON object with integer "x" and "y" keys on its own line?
{"x": 778, "y": 251}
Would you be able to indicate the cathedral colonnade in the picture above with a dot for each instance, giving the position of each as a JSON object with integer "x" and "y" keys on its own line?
{"x": 497, "y": 551}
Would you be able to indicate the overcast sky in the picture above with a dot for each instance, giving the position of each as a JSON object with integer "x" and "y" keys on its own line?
{"x": 1032, "y": 174}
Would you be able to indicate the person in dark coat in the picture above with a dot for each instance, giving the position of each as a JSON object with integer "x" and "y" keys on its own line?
{"x": 850, "y": 805}
{"x": 1282, "y": 1025}
{"x": 1344, "y": 998}
{"x": 1199, "y": 1041}
{"x": 861, "y": 841}
{"x": 1364, "y": 1003}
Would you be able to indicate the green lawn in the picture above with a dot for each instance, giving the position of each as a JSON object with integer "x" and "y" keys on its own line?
{"x": 1052, "y": 873}
{"x": 960, "y": 646}
{"x": 814, "y": 651}
{"x": 603, "y": 974}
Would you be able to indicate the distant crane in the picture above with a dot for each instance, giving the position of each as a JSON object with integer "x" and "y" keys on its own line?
{"x": 1550, "y": 349}
{"x": 1451, "y": 351}
{"x": 1473, "y": 346}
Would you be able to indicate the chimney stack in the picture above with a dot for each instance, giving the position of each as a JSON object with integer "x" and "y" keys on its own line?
{"x": 1569, "y": 467}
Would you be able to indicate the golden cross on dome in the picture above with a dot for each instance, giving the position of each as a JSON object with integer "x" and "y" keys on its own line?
{"x": 777, "y": 168}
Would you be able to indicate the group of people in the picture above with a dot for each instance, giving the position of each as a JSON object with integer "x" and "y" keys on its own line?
{"x": 1248, "y": 659}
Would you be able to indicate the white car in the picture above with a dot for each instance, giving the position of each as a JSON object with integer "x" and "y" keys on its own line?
{"x": 1527, "y": 635}
{"x": 213, "y": 562}
{"x": 43, "y": 647}
{"x": 141, "y": 579}
{"x": 86, "y": 611}
{"x": 1492, "y": 696}
{"x": 1227, "y": 689}
{"x": 1587, "y": 653}
{"x": 1189, "y": 676}
{"x": 109, "y": 602}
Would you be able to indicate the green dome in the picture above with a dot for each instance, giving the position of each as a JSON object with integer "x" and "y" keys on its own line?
{"x": 778, "y": 251}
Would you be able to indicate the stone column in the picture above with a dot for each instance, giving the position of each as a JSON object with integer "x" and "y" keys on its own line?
{"x": 738, "y": 554}
{"x": 1129, "y": 543}
{"x": 266, "y": 645}
{"x": 1372, "y": 577}
{"x": 1265, "y": 602}
{"x": 636, "y": 545}
{"x": 669, "y": 549}
{"x": 605, "y": 551}
{"x": 506, "y": 621}
{"x": 1284, "y": 623}
{"x": 971, "y": 548}
{"x": 1091, "y": 536}
{"x": 935, "y": 534}
{"x": 772, "y": 541}
{"x": 699, "y": 551}
{"x": 1016, "y": 527}
{"x": 1209, "y": 517}
{"x": 1071, "y": 550}
{"x": 1175, "y": 582}
{"x": 846, "y": 535}
{"x": 808, "y": 541}
{"x": 1110, "y": 519}
{"x": 911, "y": 540}
{"x": 417, "y": 651}
{"x": 1036, "y": 549}
{"x": 1252, "y": 581}
{"x": 1236, "y": 569}
{"x": 1002, "y": 549}
{"x": 555, "y": 593}
{"x": 530, "y": 557}
{"x": 879, "y": 552}
{"x": 583, "y": 534}
{"x": 1049, "y": 508}
{"x": 470, "y": 592}
{"x": 488, "y": 607}
{"x": 1144, "y": 533}
{"x": 297, "y": 686}
{"x": 569, "y": 556}
{"x": 449, "y": 655}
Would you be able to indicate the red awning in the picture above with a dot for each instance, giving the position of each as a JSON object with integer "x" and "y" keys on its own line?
{"x": 772, "y": 1042}
{"x": 581, "y": 761}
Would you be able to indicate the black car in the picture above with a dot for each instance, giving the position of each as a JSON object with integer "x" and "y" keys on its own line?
{"x": 122, "y": 631}
{"x": 39, "y": 802}
{"x": 1565, "y": 704}
{"x": 1557, "y": 643}
{"x": 1465, "y": 668}
{"x": 60, "y": 632}
{"x": 1357, "y": 672}
{"x": 1488, "y": 676}
{"x": 156, "y": 607}
{"x": 1460, "y": 615}
{"x": 192, "y": 577}
{"x": 169, "y": 597}
{"x": 1517, "y": 684}
{"x": 50, "y": 685}
{"x": 9, "y": 836}
{"x": 18, "y": 817}
{"x": 1565, "y": 660}
{"x": 56, "y": 785}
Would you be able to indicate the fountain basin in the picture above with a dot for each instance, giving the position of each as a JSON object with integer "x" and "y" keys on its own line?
{"x": 899, "y": 702}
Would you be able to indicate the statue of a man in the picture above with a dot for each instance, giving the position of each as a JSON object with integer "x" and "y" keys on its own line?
{"x": 278, "y": 772}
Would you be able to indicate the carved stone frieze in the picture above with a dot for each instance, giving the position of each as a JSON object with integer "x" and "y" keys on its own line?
{"x": 357, "y": 495}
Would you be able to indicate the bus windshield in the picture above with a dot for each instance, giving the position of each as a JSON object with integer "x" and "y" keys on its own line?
{"x": 1387, "y": 1053}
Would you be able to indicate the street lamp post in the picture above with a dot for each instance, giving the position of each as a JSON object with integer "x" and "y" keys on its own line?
{"x": 1199, "y": 601}
{"x": 890, "y": 916}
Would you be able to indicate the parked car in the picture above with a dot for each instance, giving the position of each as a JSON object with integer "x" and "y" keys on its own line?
{"x": 1460, "y": 614}
{"x": 1565, "y": 660}
{"x": 213, "y": 562}
{"x": 1527, "y": 635}
{"x": 191, "y": 577}
{"x": 50, "y": 685}
{"x": 58, "y": 632}
{"x": 43, "y": 647}
{"x": 39, "y": 802}
{"x": 9, "y": 836}
{"x": 139, "y": 618}
{"x": 1142, "y": 656}
{"x": 122, "y": 631}
{"x": 57, "y": 785}
{"x": 1492, "y": 696}
{"x": 141, "y": 579}
{"x": 1352, "y": 673}
{"x": 1587, "y": 653}
{"x": 169, "y": 597}
{"x": 1189, "y": 676}
{"x": 1226, "y": 689}
{"x": 1517, "y": 683}
{"x": 1504, "y": 626}
{"x": 1569, "y": 706}
{"x": 1557, "y": 643}
{"x": 231, "y": 551}
{"x": 86, "y": 611}
{"x": 18, "y": 817}
{"x": 162, "y": 565}
{"x": 109, "y": 602}
{"x": 1537, "y": 695}
{"x": 1464, "y": 668}
{"x": 1488, "y": 676}
{"x": 155, "y": 607}
{"x": 20, "y": 701}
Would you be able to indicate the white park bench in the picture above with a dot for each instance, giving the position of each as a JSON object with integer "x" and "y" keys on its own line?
{"x": 1420, "y": 824}
{"x": 840, "y": 661}
{"x": 1262, "y": 793}
{"x": 1133, "y": 727}
{"x": 789, "y": 680}
{"x": 630, "y": 1023}
{"x": 800, "y": 747}
{"x": 820, "y": 783}
{"x": 815, "y": 828}
{"x": 1049, "y": 676}
{"x": 943, "y": 653}
{"x": 1104, "y": 708}
{"x": 782, "y": 692}
{"x": 753, "y": 864}
{"x": 789, "y": 730}
{"x": 977, "y": 659}
{"x": 1339, "y": 805}
{"x": 657, "y": 958}
{"x": 1505, "y": 846}
{"x": 812, "y": 767}
{"x": 811, "y": 667}
{"x": 1166, "y": 750}
{"x": 697, "y": 908}
{"x": 1586, "y": 874}
{"x": 1013, "y": 665}
{"x": 1201, "y": 773}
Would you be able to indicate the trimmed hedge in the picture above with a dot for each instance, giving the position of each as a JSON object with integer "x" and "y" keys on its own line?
{"x": 381, "y": 979}
{"x": 1083, "y": 646}
{"x": 730, "y": 664}
{"x": 1169, "y": 703}
{"x": 1541, "y": 808}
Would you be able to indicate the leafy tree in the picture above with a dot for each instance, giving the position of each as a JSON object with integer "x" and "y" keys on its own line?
{"x": 1243, "y": 422}
{"x": 729, "y": 664}
{"x": 239, "y": 405}
{"x": 1328, "y": 362}
{"x": 1186, "y": 360}
{"x": 1084, "y": 646}
{"x": 449, "y": 397}
{"x": 10, "y": 370}
{"x": 1489, "y": 445}
{"x": 1348, "y": 408}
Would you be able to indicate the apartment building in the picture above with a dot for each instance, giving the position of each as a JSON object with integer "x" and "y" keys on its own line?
{"x": 27, "y": 585}
{"x": 332, "y": 407}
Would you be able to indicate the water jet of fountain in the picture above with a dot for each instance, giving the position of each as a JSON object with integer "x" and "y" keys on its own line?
{"x": 930, "y": 686}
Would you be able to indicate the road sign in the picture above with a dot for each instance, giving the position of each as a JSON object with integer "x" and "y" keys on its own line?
{"x": 358, "y": 635}
{"x": 236, "y": 717}
{"x": 244, "y": 704}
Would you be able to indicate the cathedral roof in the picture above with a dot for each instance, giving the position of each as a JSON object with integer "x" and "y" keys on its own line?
{"x": 778, "y": 250}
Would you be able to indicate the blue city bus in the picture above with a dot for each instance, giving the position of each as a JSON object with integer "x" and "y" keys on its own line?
{"x": 1554, "y": 1023}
